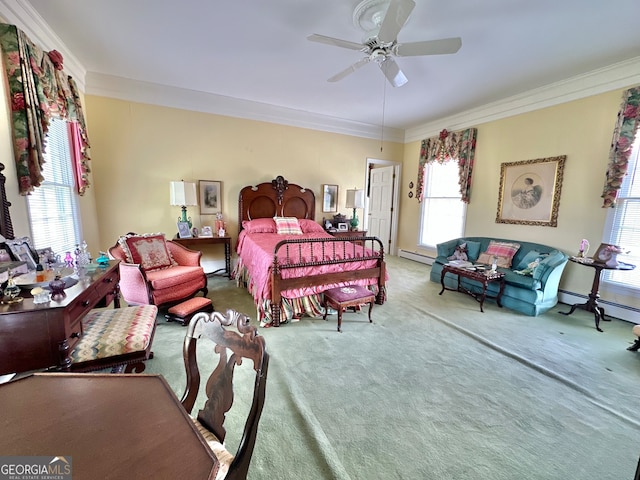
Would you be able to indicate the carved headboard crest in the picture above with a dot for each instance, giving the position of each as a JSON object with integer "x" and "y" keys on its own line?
{"x": 280, "y": 185}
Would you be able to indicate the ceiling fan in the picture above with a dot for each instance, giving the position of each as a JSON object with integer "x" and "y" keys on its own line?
{"x": 381, "y": 44}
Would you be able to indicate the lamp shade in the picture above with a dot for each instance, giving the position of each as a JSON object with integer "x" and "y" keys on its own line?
{"x": 355, "y": 199}
{"x": 183, "y": 193}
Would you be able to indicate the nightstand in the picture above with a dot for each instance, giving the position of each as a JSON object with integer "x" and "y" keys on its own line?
{"x": 348, "y": 234}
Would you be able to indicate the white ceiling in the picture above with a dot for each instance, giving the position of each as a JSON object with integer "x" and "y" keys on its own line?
{"x": 257, "y": 51}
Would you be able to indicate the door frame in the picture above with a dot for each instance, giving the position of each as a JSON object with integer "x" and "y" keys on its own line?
{"x": 395, "y": 199}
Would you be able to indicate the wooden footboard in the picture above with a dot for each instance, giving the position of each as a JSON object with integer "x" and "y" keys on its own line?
{"x": 288, "y": 254}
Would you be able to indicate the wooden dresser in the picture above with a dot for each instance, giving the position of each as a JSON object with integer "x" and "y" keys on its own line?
{"x": 39, "y": 336}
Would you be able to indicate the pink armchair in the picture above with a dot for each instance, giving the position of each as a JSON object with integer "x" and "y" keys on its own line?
{"x": 156, "y": 271}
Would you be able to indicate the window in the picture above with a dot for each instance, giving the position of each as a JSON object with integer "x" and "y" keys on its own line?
{"x": 443, "y": 211}
{"x": 623, "y": 227}
{"x": 53, "y": 207}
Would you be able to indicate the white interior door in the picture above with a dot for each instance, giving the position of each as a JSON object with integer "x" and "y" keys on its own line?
{"x": 380, "y": 204}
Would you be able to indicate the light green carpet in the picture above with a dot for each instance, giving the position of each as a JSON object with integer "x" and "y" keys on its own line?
{"x": 434, "y": 389}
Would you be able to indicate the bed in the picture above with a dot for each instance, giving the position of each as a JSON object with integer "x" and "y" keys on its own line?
{"x": 287, "y": 272}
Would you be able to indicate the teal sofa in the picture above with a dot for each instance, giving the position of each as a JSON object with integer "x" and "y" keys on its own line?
{"x": 529, "y": 294}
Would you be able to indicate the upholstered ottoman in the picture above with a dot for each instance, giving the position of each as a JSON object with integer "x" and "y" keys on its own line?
{"x": 185, "y": 310}
{"x": 636, "y": 344}
{"x": 114, "y": 338}
{"x": 342, "y": 298}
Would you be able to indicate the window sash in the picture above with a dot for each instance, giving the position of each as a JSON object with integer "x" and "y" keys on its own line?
{"x": 443, "y": 211}
{"x": 53, "y": 207}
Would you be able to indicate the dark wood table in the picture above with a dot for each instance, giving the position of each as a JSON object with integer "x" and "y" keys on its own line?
{"x": 38, "y": 336}
{"x": 197, "y": 242}
{"x": 591, "y": 305}
{"x": 108, "y": 426}
{"x": 483, "y": 277}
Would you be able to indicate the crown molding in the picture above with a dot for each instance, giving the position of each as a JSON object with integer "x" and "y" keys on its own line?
{"x": 619, "y": 75}
{"x": 156, "y": 94}
{"x": 21, "y": 14}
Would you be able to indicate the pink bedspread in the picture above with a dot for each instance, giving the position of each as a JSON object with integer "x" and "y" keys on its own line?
{"x": 255, "y": 251}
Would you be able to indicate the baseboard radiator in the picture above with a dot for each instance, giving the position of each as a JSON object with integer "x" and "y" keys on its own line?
{"x": 616, "y": 310}
{"x": 416, "y": 257}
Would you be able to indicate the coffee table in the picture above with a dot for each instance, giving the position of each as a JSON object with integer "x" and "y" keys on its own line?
{"x": 484, "y": 277}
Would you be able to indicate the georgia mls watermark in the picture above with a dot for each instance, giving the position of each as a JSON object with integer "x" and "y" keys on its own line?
{"x": 35, "y": 468}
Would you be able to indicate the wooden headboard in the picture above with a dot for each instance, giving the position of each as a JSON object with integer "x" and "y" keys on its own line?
{"x": 276, "y": 198}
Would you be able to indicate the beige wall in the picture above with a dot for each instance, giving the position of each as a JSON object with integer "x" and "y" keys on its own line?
{"x": 582, "y": 131}
{"x": 137, "y": 149}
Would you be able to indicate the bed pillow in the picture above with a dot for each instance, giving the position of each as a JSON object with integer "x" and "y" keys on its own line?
{"x": 259, "y": 225}
{"x": 287, "y": 226}
{"x": 148, "y": 250}
{"x": 310, "y": 226}
{"x": 502, "y": 251}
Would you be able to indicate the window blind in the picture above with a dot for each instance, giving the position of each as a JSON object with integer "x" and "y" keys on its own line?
{"x": 53, "y": 208}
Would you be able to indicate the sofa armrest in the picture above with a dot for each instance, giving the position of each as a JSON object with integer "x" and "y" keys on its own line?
{"x": 134, "y": 286}
{"x": 183, "y": 255}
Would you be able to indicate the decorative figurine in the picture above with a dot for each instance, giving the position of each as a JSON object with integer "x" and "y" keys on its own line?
{"x": 584, "y": 248}
{"x": 11, "y": 291}
{"x": 57, "y": 288}
{"x": 102, "y": 260}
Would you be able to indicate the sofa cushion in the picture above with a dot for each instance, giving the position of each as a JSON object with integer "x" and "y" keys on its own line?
{"x": 473, "y": 249}
{"x": 529, "y": 257}
{"x": 502, "y": 251}
{"x": 174, "y": 276}
{"x": 148, "y": 250}
{"x": 548, "y": 263}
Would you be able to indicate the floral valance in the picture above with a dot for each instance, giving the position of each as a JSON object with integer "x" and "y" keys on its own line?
{"x": 38, "y": 90}
{"x": 624, "y": 135}
{"x": 457, "y": 146}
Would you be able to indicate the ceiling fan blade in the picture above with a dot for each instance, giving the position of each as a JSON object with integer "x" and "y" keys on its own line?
{"x": 335, "y": 42}
{"x": 392, "y": 71}
{"x": 351, "y": 69}
{"x": 394, "y": 19}
{"x": 428, "y": 47}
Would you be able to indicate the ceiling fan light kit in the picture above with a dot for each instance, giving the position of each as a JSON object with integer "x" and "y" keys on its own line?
{"x": 382, "y": 20}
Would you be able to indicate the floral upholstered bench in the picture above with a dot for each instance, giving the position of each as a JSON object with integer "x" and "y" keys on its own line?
{"x": 118, "y": 338}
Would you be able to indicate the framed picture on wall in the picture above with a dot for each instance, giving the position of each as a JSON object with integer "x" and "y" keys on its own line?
{"x": 210, "y": 193}
{"x": 329, "y": 198}
{"x": 530, "y": 191}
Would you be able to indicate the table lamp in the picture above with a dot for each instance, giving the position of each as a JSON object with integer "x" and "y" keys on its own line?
{"x": 355, "y": 199}
{"x": 183, "y": 194}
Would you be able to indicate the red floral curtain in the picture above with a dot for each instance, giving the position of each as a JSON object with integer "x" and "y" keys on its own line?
{"x": 450, "y": 146}
{"x": 39, "y": 89}
{"x": 624, "y": 135}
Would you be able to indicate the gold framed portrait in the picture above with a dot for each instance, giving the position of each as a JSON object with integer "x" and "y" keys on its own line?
{"x": 530, "y": 191}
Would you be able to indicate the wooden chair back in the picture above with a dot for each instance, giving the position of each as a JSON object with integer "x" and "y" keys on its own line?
{"x": 232, "y": 347}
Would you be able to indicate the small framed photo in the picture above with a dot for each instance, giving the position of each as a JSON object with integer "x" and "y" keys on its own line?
{"x": 22, "y": 250}
{"x": 210, "y": 193}
{"x": 183, "y": 230}
{"x": 206, "y": 232}
{"x": 343, "y": 227}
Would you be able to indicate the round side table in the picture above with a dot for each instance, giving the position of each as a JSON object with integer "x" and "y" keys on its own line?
{"x": 592, "y": 303}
